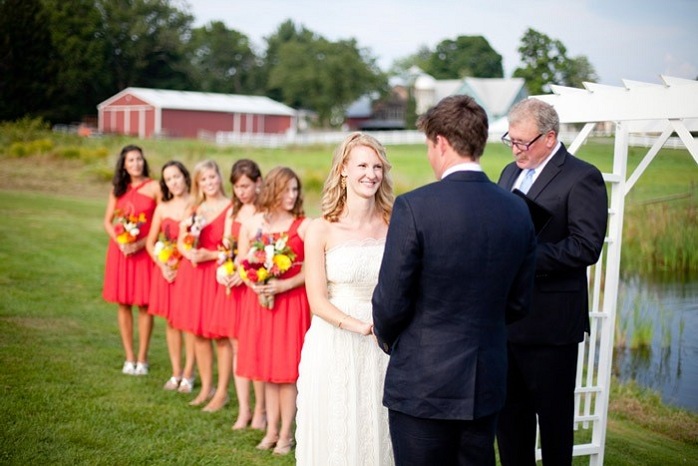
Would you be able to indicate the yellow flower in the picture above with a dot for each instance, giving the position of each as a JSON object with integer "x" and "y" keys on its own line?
{"x": 283, "y": 262}
{"x": 243, "y": 273}
{"x": 123, "y": 238}
{"x": 229, "y": 267}
{"x": 262, "y": 274}
{"x": 164, "y": 255}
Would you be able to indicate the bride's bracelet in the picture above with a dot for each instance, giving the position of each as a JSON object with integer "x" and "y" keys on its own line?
{"x": 346, "y": 316}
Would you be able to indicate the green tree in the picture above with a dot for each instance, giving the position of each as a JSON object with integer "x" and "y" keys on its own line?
{"x": 287, "y": 32}
{"x": 82, "y": 78}
{"x": 545, "y": 62}
{"x": 26, "y": 59}
{"x": 466, "y": 56}
{"x": 579, "y": 71}
{"x": 420, "y": 59}
{"x": 308, "y": 71}
{"x": 223, "y": 60}
{"x": 145, "y": 43}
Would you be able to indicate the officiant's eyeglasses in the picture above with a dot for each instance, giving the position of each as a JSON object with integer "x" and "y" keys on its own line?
{"x": 524, "y": 146}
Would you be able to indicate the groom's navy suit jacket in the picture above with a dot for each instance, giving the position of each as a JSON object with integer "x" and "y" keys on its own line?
{"x": 458, "y": 266}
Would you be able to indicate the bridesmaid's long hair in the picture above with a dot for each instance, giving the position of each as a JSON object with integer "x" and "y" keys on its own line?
{"x": 200, "y": 197}
{"x": 166, "y": 194}
{"x": 121, "y": 178}
{"x": 334, "y": 196}
{"x": 243, "y": 167}
{"x": 275, "y": 184}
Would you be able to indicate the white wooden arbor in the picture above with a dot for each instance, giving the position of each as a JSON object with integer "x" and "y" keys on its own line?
{"x": 638, "y": 107}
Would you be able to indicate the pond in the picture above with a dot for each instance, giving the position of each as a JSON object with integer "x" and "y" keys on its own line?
{"x": 658, "y": 323}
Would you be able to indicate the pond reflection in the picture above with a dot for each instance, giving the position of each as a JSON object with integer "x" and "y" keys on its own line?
{"x": 657, "y": 339}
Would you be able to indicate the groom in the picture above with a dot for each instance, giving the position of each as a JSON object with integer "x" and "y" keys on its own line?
{"x": 458, "y": 266}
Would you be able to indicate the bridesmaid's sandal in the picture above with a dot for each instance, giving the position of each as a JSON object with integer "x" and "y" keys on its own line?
{"x": 172, "y": 384}
{"x": 202, "y": 398}
{"x": 242, "y": 422}
{"x": 215, "y": 405}
{"x": 259, "y": 424}
{"x": 283, "y": 447}
{"x": 186, "y": 385}
{"x": 267, "y": 444}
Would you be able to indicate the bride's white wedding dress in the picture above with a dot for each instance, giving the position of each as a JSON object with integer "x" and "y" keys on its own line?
{"x": 341, "y": 419}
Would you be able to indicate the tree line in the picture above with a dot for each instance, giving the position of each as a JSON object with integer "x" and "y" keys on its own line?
{"x": 60, "y": 58}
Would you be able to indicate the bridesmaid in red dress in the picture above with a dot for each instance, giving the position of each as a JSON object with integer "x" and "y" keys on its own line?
{"x": 195, "y": 287}
{"x": 175, "y": 184}
{"x": 246, "y": 179}
{"x": 271, "y": 339}
{"x": 128, "y": 268}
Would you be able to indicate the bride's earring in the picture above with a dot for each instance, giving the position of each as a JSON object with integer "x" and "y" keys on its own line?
{"x": 343, "y": 182}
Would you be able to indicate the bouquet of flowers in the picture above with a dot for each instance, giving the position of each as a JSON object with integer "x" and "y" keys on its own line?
{"x": 268, "y": 258}
{"x": 166, "y": 251}
{"x": 127, "y": 227}
{"x": 194, "y": 224}
{"x": 226, "y": 257}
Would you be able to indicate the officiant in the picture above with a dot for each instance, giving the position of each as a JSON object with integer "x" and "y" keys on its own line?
{"x": 542, "y": 347}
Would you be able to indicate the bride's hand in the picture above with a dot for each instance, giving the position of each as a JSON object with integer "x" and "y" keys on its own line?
{"x": 365, "y": 329}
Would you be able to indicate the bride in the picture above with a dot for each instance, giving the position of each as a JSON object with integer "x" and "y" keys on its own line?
{"x": 341, "y": 419}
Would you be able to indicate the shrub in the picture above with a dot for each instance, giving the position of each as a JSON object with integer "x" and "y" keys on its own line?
{"x": 69, "y": 152}
{"x": 91, "y": 155}
{"x": 25, "y": 129}
{"x": 17, "y": 150}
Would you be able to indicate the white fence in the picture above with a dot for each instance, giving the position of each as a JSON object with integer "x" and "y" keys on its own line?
{"x": 387, "y": 138}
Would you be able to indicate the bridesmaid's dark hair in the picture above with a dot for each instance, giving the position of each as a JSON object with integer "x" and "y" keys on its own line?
{"x": 121, "y": 178}
{"x": 243, "y": 167}
{"x": 166, "y": 194}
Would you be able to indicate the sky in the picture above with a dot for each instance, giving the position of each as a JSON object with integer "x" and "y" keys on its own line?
{"x": 638, "y": 40}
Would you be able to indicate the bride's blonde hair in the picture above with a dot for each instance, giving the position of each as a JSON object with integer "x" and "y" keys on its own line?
{"x": 334, "y": 193}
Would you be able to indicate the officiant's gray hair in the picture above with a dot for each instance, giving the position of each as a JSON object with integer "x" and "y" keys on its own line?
{"x": 542, "y": 113}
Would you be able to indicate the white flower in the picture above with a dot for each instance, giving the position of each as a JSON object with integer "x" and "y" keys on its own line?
{"x": 159, "y": 246}
{"x": 280, "y": 244}
{"x": 268, "y": 255}
{"x": 134, "y": 231}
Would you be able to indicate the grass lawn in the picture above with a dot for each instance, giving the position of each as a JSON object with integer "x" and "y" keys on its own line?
{"x": 64, "y": 400}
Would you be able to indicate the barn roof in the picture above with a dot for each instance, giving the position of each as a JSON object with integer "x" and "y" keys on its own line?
{"x": 205, "y": 101}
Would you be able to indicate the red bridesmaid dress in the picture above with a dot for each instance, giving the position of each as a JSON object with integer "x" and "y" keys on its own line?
{"x": 160, "y": 289}
{"x": 225, "y": 314}
{"x": 127, "y": 278}
{"x": 196, "y": 286}
{"x": 270, "y": 340}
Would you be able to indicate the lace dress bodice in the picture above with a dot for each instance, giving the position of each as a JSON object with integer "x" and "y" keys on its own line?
{"x": 352, "y": 273}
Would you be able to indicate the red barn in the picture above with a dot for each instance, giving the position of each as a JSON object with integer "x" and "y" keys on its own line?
{"x": 145, "y": 113}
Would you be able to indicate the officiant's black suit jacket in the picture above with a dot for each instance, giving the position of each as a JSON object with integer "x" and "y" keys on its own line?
{"x": 573, "y": 191}
{"x": 458, "y": 265}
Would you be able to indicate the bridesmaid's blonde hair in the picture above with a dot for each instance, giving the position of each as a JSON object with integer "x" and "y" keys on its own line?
{"x": 200, "y": 197}
{"x": 334, "y": 194}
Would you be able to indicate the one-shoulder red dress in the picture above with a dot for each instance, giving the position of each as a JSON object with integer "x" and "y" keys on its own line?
{"x": 196, "y": 286}
{"x": 127, "y": 278}
{"x": 270, "y": 340}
